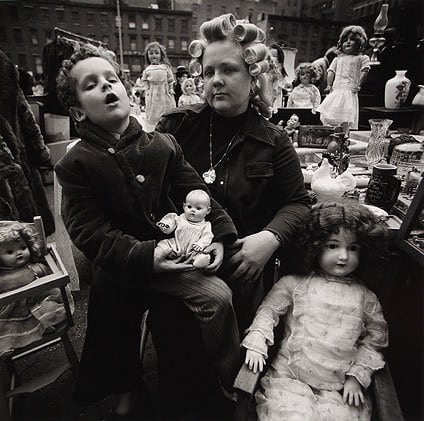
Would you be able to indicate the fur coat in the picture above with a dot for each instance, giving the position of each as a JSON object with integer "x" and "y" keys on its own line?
{"x": 22, "y": 152}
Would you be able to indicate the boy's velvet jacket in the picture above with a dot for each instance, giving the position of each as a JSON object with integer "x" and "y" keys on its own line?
{"x": 114, "y": 192}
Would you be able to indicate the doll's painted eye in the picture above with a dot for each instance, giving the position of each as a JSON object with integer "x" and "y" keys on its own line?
{"x": 9, "y": 251}
{"x": 23, "y": 248}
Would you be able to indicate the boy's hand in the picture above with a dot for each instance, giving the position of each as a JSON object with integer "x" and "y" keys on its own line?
{"x": 216, "y": 250}
{"x": 255, "y": 361}
{"x": 352, "y": 392}
{"x": 164, "y": 261}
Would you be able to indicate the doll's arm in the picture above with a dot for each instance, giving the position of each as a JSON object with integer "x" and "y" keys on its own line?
{"x": 368, "y": 358}
{"x": 168, "y": 223}
{"x": 316, "y": 98}
{"x": 290, "y": 102}
{"x": 171, "y": 81}
{"x": 144, "y": 81}
{"x": 330, "y": 80}
{"x": 205, "y": 239}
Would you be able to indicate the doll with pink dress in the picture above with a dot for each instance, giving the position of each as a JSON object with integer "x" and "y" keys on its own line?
{"x": 346, "y": 75}
{"x": 157, "y": 81}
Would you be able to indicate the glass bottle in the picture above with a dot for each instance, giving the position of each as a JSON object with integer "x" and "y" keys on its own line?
{"x": 377, "y": 144}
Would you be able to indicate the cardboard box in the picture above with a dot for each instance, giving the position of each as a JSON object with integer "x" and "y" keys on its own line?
{"x": 314, "y": 136}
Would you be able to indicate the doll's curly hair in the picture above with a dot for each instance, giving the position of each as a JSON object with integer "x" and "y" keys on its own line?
{"x": 326, "y": 219}
{"x": 11, "y": 231}
{"x": 358, "y": 34}
{"x": 305, "y": 67}
{"x": 163, "y": 56}
{"x": 66, "y": 84}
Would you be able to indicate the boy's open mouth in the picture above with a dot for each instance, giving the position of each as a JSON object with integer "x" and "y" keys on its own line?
{"x": 110, "y": 98}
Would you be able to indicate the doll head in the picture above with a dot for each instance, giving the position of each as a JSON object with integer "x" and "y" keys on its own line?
{"x": 305, "y": 74}
{"x": 18, "y": 245}
{"x": 293, "y": 122}
{"x": 197, "y": 205}
{"x": 352, "y": 40}
{"x": 155, "y": 53}
{"x": 66, "y": 81}
{"x": 340, "y": 238}
{"x": 188, "y": 87}
{"x": 276, "y": 55}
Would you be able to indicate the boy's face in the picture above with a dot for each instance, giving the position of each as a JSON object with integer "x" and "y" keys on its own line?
{"x": 196, "y": 209}
{"x": 14, "y": 254}
{"x": 101, "y": 95}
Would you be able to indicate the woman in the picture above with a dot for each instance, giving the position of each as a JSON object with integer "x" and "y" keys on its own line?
{"x": 249, "y": 164}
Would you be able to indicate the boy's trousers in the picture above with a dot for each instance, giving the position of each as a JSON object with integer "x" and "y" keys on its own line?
{"x": 110, "y": 360}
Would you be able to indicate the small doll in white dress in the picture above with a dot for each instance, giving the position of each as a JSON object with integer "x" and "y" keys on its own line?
{"x": 346, "y": 75}
{"x": 189, "y": 95}
{"x": 157, "y": 81}
{"x": 25, "y": 321}
{"x": 192, "y": 233}
{"x": 334, "y": 325}
{"x": 277, "y": 76}
{"x": 305, "y": 94}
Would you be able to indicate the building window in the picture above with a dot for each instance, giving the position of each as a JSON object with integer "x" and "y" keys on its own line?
{"x": 48, "y": 35}
{"x": 305, "y": 30}
{"x": 250, "y": 15}
{"x": 146, "y": 40}
{"x": 158, "y": 39}
{"x": 45, "y": 13}
{"x": 184, "y": 26}
{"x": 13, "y": 13}
{"x": 17, "y": 34}
{"x": 29, "y": 13}
{"x": 90, "y": 18}
{"x": 223, "y": 10}
{"x": 34, "y": 37}
{"x": 136, "y": 65}
{"x": 60, "y": 15}
{"x": 171, "y": 44}
{"x": 302, "y": 48}
{"x": 22, "y": 61}
{"x": 158, "y": 24}
{"x": 171, "y": 25}
{"x": 144, "y": 24}
{"x": 184, "y": 45}
{"x": 315, "y": 31}
{"x": 75, "y": 17}
{"x": 314, "y": 48}
{"x": 103, "y": 19}
{"x": 131, "y": 22}
{"x": 38, "y": 64}
{"x": 294, "y": 30}
{"x": 133, "y": 43}
{"x": 284, "y": 28}
{"x": 3, "y": 36}
{"x": 208, "y": 10}
{"x": 105, "y": 39}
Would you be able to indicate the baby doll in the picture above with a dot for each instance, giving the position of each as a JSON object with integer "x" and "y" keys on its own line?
{"x": 25, "y": 321}
{"x": 192, "y": 234}
{"x": 305, "y": 94}
{"x": 292, "y": 127}
{"x": 346, "y": 75}
{"x": 334, "y": 325}
{"x": 189, "y": 95}
{"x": 277, "y": 76}
{"x": 157, "y": 81}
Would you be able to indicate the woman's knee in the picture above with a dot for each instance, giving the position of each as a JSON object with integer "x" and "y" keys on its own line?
{"x": 220, "y": 297}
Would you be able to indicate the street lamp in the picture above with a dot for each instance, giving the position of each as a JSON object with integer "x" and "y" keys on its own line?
{"x": 119, "y": 25}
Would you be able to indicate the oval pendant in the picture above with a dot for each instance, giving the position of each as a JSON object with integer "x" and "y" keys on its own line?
{"x": 209, "y": 176}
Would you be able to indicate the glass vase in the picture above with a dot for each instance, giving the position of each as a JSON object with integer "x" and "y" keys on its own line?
{"x": 376, "y": 149}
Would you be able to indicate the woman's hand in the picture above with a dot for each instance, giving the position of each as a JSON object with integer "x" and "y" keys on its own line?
{"x": 255, "y": 251}
{"x": 352, "y": 392}
{"x": 255, "y": 361}
{"x": 216, "y": 250}
{"x": 165, "y": 261}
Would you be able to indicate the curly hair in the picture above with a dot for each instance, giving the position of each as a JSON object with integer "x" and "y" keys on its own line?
{"x": 11, "y": 231}
{"x": 163, "y": 55}
{"x": 307, "y": 67}
{"x": 328, "y": 218}
{"x": 358, "y": 34}
{"x": 66, "y": 84}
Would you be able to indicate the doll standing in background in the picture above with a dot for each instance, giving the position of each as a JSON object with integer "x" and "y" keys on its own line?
{"x": 157, "y": 81}
{"x": 277, "y": 76}
{"x": 346, "y": 75}
{"x": 189, "y": 95}
{"x": 305, "y": 94}
{"x": 334, "y": 325}
{"x": 25, "y": 321}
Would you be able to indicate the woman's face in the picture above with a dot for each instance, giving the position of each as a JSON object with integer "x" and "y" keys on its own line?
{"x": 227, "y": 81}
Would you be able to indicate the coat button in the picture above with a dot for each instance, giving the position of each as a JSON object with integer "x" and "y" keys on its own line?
{"x": 221, "y": 182}
{"x": 152, "y": 215}
{"x": 111, "y": 151}
{"x": 140, "y": 178}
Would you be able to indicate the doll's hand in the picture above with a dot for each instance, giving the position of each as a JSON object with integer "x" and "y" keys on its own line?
{"x": 255, "y": 251}
{"x": 216, "y": 250}
{"x": 165, "y": 261}
{"x": 255, "y": 360}
{"x": 352, "y": 392}
{"x": 196, "y": 247}
{"x": 356, "y": 89}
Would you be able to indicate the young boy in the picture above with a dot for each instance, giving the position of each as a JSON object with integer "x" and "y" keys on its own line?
{"x": 118, "y": 181}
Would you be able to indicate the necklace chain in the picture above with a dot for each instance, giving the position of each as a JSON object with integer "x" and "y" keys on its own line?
{"x": 210, "y": 175}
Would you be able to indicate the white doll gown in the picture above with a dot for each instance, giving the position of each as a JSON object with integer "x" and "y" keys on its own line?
{"x": 341, "y": 104}
{"x": 156, "y": 81}
{"x": 333, "y": 328}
